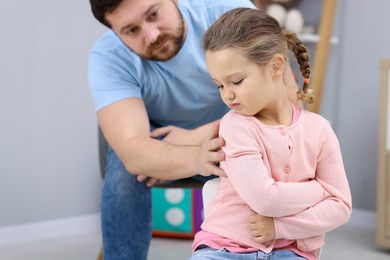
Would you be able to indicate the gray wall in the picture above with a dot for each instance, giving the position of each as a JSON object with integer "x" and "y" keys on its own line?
{"x": 351, "y": 90}
{"x": 48, "y": 134}
{"x": 48, "y": 150}
{"x": 365, "y": 40}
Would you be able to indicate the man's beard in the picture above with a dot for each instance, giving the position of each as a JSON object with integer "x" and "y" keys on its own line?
{"x": 173, "y": 42}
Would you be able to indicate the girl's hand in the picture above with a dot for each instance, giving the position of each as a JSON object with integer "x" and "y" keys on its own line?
{"x": 262, "y": 228}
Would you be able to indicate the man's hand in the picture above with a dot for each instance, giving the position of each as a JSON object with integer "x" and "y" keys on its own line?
{"x": 149, "y": 180}
{"x": 176, "y": 135}
{"x": 180, "y": 136}
{"x": 206, "y": 137}
{"x": 211, "y": 154}
{"x": 262, "y": 228}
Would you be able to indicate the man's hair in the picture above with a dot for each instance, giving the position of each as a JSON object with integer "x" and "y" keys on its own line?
{"x": 102, "y": 7}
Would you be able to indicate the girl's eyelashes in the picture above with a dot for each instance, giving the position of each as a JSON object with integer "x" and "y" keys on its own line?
{"x": 218, "y": 84}
{"x": 238, "y": 82}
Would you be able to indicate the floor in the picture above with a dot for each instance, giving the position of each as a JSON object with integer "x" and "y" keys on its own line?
{"x": 345, "y": 243}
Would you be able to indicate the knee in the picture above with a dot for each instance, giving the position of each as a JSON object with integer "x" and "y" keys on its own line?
{"x": 118, "y": 180}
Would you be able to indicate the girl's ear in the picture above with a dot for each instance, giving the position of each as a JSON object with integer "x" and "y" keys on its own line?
{"x": 278, "y": 65}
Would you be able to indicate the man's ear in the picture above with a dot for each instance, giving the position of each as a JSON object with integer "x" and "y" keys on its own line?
{"x": 278, "y": 65}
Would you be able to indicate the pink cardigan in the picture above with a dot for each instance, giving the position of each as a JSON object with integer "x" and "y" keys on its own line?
{"x": 294, "y": 174}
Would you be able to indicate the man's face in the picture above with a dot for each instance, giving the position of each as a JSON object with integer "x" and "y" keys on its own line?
{"x": 154, "y": 29}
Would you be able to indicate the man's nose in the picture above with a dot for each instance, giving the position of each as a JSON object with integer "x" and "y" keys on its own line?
{"x": 151, "y": 33}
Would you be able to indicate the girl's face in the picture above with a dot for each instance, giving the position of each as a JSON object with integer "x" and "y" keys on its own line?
{"x": 244, "y": 86}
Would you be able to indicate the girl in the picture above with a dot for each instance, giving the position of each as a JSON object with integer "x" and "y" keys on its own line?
{"x": 282, "y": 162}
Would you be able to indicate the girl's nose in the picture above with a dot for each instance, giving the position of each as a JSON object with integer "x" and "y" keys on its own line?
{"x": 229, "y": 95}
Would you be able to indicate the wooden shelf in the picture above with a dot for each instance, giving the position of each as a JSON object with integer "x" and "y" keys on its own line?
{"x": 305, "y": 37}
{"x": 323, "y": 41}
{"x": 383, "y": 175}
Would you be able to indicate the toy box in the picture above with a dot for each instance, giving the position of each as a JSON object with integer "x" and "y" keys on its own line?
{"x": 177, "y": 212}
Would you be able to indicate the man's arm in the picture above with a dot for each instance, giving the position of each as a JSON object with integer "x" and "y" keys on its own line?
{"x": 125, "y": 125}
{"x": 181, "y": 136}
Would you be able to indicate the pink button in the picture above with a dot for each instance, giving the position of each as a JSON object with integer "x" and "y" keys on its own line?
{"x": 283, "y": 131}
{"x": 287, "y": 170}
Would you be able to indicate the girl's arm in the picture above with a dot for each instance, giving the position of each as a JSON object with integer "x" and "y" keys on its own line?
{"x": 329, "y": 213}
{"x": 253, "y": 181}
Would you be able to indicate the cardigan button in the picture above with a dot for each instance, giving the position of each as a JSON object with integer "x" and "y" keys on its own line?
{"x": 287, "y": 170}
{"x": 283, "y": 131}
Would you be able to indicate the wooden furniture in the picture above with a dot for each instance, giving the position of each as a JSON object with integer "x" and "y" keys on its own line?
{"x": 322, "y": 50}
{"x": 383, "y": 176}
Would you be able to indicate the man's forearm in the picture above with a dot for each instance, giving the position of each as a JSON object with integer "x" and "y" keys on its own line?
{"x": 158, "y": 159}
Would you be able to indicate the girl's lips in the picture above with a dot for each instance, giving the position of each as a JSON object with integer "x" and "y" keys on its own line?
{"x": 234, "y": 105}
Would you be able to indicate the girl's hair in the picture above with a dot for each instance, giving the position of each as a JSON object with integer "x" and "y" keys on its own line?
{"x": 258, "y": 36}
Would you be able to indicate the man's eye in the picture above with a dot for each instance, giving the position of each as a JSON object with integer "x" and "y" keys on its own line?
{"x": 132, "y": 31}
{"x": 154, "y": 14}
{"x": 238, "y": 82}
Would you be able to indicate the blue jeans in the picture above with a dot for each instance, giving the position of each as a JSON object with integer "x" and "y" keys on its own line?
{"x": 208, "y": 253}
{"x": 126, "y": 213}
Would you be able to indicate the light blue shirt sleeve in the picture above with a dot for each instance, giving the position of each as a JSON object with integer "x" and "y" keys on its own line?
{"x": 176, "y": 92}
{"x": 108, "y": 74}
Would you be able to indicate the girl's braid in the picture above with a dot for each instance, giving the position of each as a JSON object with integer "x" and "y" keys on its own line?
{"x": 300, "y": 52}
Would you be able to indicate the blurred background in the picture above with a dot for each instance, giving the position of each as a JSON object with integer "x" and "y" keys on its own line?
{"x": 50, "y": 181}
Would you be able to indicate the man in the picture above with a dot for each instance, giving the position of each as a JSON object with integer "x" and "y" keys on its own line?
{"x": 156, "y": 105}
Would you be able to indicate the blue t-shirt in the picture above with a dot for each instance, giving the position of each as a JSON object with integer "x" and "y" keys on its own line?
{"x": 176, "y": 92}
